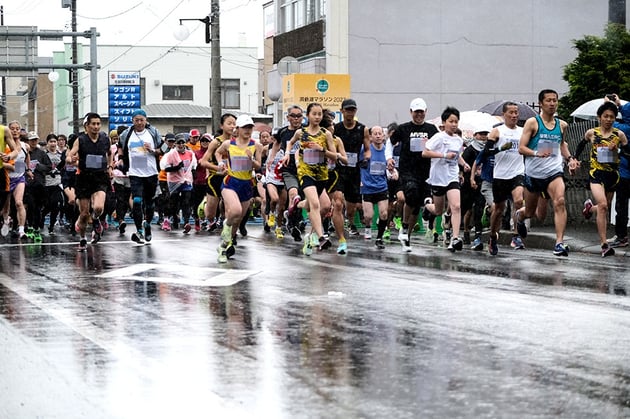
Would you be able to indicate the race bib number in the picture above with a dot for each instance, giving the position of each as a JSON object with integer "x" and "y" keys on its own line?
{"x": 20, "y": 166}
{"x": 552, "y": 147}
{"x": 313, "y": 156}
{"x": 94, "y": 161}
{"x": 352, "y": 159}
{"x": 417, "y": 144}
{"x": 378, "y": 168}
{"x": 33, "y": 165}
{"x": 241, "y": 164}
{"x": 455, "y": 160}
{"x": 606, "y": 155}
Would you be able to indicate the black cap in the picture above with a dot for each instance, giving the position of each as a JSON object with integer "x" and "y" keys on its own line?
{"x": 348, "y": 103}
{"x": 169, "y": 137}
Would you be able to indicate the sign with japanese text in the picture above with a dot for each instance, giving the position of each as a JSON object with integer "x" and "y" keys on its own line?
{"x": 124, "y": 97}
{"x": 328, "y": 89}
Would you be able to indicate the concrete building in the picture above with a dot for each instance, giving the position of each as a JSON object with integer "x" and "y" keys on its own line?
{"x": 175, "y": 84}
{"x": 454, "y": 52}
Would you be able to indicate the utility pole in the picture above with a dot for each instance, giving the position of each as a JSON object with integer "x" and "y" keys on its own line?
{"x": 74, "y": 73}
{"x": 215, "y": 65}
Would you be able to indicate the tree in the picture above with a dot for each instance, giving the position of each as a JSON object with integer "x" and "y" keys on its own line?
{"x": 601, "y": 67}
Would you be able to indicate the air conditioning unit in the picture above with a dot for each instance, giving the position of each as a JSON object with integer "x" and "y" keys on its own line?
{"x": 156, "y": 82}
{"x": 66, "y": 3}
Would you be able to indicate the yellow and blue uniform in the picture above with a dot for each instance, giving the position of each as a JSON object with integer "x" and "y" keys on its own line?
{"x": 239, "y": 176}
{"x": 312, "y": 163}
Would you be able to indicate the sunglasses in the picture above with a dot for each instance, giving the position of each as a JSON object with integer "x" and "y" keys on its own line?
{"x": 295, "y": 115}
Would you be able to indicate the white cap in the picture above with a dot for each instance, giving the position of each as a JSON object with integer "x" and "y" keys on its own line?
{"x": 244, "y": 120}
{"x": 482, "y": 127}
{"x": 418, "y": 104}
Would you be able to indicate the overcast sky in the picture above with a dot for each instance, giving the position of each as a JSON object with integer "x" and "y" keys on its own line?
{"x": 140, "y": 22}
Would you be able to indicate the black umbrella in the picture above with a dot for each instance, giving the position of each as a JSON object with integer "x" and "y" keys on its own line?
{"x": 496, "y": 108}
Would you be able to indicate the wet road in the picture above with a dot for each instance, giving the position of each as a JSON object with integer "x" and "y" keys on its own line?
{"x": 163, "y": 331}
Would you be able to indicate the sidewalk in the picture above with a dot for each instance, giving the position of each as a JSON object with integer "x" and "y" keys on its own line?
{"x": 580, "y": 237}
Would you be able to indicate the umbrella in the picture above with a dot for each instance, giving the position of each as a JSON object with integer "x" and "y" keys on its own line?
{"x": 471, "y": 121}
{"x": 496, "y": 108}
{"x": 588, "y": 110}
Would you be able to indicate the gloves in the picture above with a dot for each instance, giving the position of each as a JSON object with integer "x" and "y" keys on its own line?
{"x": 364, "y": 164}
{"x": 175, "y": 168}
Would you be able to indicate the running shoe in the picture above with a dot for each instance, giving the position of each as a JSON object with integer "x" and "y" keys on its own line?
{"x": 586, "y": 212}
{"x": 342, "y": 249}
{"x": 296, "y": 233}
{"x": 213, "y": 225}
{"x": 324, "y": 243}
{"x": 226, "y": 233}
{"x": 266, "y": 228}
{"x": 242, "y": 229}
{"x": 457, "y": 243}
{"x": 307, "y": 250}
{"x": 197, "y": 225}
{"x": 477, "y": 244}
{"x": 353, "y": 230}
{"x": 397, "y": 223}
{"x": 96, "y": 237}
{"x": 618, "y": 242}
{"x": 427, "y": 215}
{"x": 379, "y": 244}
{"x": 138, "y": 237}
{"x": 607, "y": 250}
{"x": 447, "y": 236}
{"x": 521, "y": 228}
{"x": 271, "y": 220}
{"x": 122, "y": 227}
{"x": 187, "y": 228}
{"x": 37, "y": 236}
{"x": 517, "y": 243}
{"x": 387, "y": 235}
{"x": 166, "y": 225}
{"x": 493, "y": 247}
{"x": 279, "y": 233}
{"x": 561, "y": 250}
{"x": 97, "y": 226}
{"x": 402, "y": 235}
{"x": 368, "y": 234}
{"x": 82, "y": 245}
{"x": 147, "y": 231}
{"x": 231, "y": 250}
{"x": 222, "y": 250}
{"x": 4, "y": 231}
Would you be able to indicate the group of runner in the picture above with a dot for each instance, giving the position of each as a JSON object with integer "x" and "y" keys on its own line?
{"x": 331, "y": 171}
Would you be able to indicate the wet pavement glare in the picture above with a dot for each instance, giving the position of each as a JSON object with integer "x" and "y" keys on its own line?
{"x": 163, "y": 331}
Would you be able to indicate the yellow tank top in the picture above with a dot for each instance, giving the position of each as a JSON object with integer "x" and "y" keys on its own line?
{"x": 312, "y": 163}
{"x": 602, "y": 157}
{"x": 240, "y": 164}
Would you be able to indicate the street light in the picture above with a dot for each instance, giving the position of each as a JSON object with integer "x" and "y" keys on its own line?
{"x": 212, "y": 37}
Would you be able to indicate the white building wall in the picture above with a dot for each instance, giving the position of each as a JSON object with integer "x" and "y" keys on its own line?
{"x": 176, "y": 66}
{"x": 458, "y": 52}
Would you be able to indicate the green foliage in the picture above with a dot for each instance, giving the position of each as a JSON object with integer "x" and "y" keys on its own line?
{"x": 601, "y": 67}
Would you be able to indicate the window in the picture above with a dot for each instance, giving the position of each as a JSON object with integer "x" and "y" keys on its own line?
{"x": 297, "y": 13}
{"x": 231, "y": 93}
{"x": 177, "y": 93}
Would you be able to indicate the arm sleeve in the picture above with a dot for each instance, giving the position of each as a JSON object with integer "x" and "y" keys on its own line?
{"x": 580, "y": 148}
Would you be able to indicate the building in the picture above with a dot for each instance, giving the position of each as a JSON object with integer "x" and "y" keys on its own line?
{"x": 456, "y": 52}
{"x": 175, "y": 84}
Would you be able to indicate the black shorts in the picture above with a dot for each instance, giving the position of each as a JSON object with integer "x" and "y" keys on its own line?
{"x": 441, "y": 190}
{"x": 214, "y": 182}
{"x": 375, "y": 198}
{"x": 608, "y": 180}
{"x": 502, "y": 188}
{"x": 307, "y": 181}
{"x": 350, "y": 184}
{"x": 89, "y": 183}
{"x": 332, "y": 182}
{"x": 537, "y": 185}
{"x": 415, "y": 191}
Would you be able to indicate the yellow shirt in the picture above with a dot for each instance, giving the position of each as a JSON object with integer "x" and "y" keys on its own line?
{"x": 312, "y": 163}
{"x": 240, "y": 164}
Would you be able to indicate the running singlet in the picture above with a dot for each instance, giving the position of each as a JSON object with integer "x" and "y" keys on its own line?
{"x": 93, "y": 155}
{"x": 312, "y": 163}
{"x": 602, "y": 157}
{"x": 508, "y": 163}
{"x": 545, "y": 140}
{"x": 240, "y": 164}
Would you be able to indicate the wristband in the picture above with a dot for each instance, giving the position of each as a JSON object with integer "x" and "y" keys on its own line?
{"x": 536, "y": 153}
